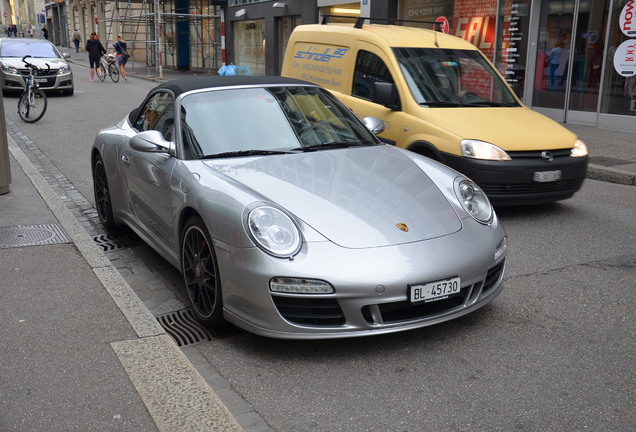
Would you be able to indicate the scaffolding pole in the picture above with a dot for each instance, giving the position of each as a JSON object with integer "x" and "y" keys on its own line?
{"x": 141, "y": 19}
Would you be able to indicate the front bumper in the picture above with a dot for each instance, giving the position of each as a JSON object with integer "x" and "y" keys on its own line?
{"x": 371, "y": 285}
{"x": 54, "y": 82}
{"x": 512, "y": 182}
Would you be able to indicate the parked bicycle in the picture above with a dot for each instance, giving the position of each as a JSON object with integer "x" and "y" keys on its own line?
{"x": 32, "y": 103}
{"x": 108, "y": 66}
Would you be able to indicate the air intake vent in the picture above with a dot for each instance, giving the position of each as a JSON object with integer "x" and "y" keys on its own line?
{"x": 310, "y": 311}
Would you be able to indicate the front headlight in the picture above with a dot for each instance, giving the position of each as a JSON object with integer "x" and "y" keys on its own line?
{"x": 64, "y": 69}
{"x": 579, "y": 149}
{"x": 274, "y": 231}
{"x": 474, "y": 200}
{"x": 9, "y": 70}
{"x": 475, "y": 149}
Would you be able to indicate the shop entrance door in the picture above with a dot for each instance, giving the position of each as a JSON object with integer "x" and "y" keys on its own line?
{"x": 570, "y": 59}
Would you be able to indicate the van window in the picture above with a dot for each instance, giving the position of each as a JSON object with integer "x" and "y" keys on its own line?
{"x": 369, "y": 69}
{"x": 450, "y": 78}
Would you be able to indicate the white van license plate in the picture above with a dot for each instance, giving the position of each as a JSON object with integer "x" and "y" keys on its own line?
{"x": 434, "y": 291}
{"x": 547, "y": 176}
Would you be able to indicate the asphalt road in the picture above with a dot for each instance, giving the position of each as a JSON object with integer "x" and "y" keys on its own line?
{"x": 554, "y": 352}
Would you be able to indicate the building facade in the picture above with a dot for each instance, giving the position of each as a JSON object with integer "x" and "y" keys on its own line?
{"x": 27, "y": 15}
{"x": 573, "y": 60}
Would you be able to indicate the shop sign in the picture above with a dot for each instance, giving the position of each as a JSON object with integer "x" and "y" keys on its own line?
{"x": 444, "y": 24}
{"x": 627, "y": 20}
{"x": 625, "y": 58}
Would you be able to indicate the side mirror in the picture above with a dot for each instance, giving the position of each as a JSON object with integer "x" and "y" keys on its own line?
{"x": 386, "y": 94}
{"x": 66, "y": 55}
{"x": 374, "y": 124}
{"x": 150, "y": 141}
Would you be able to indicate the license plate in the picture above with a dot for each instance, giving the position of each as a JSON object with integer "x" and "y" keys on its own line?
{"x": 434, "y": 291}
{"x": 40, "y": 80}
{"x": 547, "y": 176}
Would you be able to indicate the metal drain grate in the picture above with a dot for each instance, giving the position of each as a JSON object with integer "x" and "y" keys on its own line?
{"x": 31, "y": 235}
{"x": 111, "y": 242}
{"x": 186, "y": 330}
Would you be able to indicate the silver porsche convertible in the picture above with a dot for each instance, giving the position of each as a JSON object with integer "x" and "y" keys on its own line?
{"x": 288, "y": 218}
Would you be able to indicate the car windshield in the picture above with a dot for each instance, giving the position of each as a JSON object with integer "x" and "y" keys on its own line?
{"x": 452, "y": 78}
{"x": 41, "y": 49}
{"x": 267, "y": 120}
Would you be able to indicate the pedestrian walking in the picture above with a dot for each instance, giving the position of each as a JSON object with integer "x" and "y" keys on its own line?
{"x": 122, "y": 55}
{"x": 77, "y": 38}
{"x": 31, "y": 31}
{"x": 45, "y": 32}
{"x": 95, "y": 51}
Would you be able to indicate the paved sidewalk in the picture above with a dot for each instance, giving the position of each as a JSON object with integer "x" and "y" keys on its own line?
{"x": 79, "y": 349}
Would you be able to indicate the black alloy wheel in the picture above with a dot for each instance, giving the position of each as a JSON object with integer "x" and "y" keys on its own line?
{"x": 102, "y": 194}
{"x": 200, "y": 273}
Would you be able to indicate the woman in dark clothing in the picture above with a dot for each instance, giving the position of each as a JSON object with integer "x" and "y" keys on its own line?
{"x": 122, "y": 55}
{"x": 95, "y": 50}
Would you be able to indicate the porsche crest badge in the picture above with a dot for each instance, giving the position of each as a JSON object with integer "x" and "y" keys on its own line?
{"x": 402, "y": 227}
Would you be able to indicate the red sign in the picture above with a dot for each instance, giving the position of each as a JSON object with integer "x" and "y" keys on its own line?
{"x": 626, "y": 19}
{"x": 444, "y": 25}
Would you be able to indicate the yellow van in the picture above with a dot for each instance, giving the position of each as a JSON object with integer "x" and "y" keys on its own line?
{"x": 439, "y": 96}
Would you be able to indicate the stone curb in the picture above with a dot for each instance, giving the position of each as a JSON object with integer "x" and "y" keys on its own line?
{"x": 611, "y": 175}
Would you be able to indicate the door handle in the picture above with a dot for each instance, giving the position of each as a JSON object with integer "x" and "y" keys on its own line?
{"x": 124, "y": 160}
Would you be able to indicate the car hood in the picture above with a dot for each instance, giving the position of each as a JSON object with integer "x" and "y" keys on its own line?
{"x": 356, "y": 197}
{"x": 55, "y": 63}
{"x": 512, "y": 129}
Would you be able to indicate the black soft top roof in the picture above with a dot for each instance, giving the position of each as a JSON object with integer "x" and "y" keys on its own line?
{"x": 182, "y": 85}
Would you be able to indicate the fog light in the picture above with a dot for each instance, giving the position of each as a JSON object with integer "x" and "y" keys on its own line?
{"x": 502, "y": 247}
{"x": 299, "y": 286}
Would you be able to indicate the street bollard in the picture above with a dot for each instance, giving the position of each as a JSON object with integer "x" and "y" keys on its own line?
{"x": 5, "y": 168}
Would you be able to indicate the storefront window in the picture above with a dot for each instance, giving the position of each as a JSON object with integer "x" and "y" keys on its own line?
{"x": 587, "y": 61}
{"x": 619, "y": 85}
{"x": 514, "y": 16}
{"x": 249, "y": 47}
{"x": 472, "y": 20}
{"x": 553, "y": 54}
{"x": 285, "y": 27}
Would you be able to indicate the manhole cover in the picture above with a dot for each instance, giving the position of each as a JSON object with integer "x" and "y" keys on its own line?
{"x": 31, "y": 235}
{"x": 186, "y": 330}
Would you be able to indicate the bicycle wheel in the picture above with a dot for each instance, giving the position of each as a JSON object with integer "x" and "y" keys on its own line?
{"x": 101, "y": 75}
{"x": 113, "y": 71}
{"x": 33, "y": 111}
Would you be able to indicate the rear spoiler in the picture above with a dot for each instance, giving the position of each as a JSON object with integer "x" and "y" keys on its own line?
{"x": 361, "y": 20}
